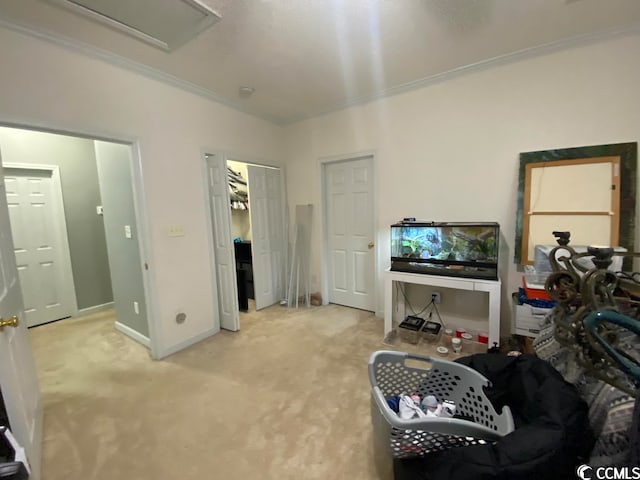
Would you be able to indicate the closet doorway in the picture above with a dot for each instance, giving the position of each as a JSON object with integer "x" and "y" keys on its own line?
{"x": 257, "y": 225}
{"x": 249, "y": 235}
{"x": 238, "y": 175}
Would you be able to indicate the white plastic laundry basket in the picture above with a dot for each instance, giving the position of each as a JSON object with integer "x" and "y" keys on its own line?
{"x": 398, "y": 373}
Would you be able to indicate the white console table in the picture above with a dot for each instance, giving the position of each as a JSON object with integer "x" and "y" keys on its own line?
{"x": 492, "y": 287}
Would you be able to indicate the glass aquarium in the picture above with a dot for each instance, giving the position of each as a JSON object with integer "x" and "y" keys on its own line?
{"x": 458, "y": 249}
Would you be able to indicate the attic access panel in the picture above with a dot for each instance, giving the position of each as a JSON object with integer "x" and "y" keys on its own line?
{"x": 165, "y": 24}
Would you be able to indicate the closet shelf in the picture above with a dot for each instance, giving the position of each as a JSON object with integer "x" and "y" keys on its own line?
{"x": 238, "y": 195}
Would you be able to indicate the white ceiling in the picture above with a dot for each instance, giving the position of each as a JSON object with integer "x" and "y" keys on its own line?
{"x": 306, "y": 57}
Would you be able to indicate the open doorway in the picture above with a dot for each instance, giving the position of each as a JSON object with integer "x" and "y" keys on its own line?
{"x": 257, "y": 224}
{"x": 241, "y": 233}
{"x": 94, "y": 182}
{"x": 249, "y": 236}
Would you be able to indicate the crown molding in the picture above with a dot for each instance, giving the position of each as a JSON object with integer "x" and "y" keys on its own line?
{"x": 581, "y": 40}
{"x": 168, "y": 79}
{"x": 122, "y": 62}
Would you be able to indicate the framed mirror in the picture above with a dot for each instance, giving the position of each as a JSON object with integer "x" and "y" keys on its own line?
{"x": 589, "y": 191}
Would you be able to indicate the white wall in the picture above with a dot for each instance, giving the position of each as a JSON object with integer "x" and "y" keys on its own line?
{"x": 46, "y": 85}
{"x": 241, "y": 224}
{"x": 116, "y": 191}
{"x": 449, "y": 151}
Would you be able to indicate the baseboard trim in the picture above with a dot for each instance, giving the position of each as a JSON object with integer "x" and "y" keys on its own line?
{"x": 187, "y": 343}
{"x": 95, "y": 309}
{"x": 131, "y": 333}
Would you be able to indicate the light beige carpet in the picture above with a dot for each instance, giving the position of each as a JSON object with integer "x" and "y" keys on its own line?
{"x": 287, "y": 397}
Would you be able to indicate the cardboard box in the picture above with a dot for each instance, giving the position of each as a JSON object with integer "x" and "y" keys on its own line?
{"x": 527, "y": 319}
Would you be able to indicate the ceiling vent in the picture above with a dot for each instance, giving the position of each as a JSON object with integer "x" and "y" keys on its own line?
{"x": 165, "y": 24}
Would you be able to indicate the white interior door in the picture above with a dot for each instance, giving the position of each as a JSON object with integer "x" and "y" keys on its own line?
{"x": 38, "y": 227}
{"x": 223, "y": 243}
{"x": 350, "y": 232}
{"x": 17, "y": 369}
{"x": 268, "y": 237}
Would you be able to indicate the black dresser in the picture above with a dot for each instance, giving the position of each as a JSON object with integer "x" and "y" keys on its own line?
{"x": 244, "y": 274}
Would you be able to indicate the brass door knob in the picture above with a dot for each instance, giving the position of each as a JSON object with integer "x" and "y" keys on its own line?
{"x": 371, "y": 245}
{"x": 12, "y": 322}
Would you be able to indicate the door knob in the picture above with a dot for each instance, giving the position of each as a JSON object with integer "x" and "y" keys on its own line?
{"x": 371, "y": 245}
{"x": 12, "y": 322}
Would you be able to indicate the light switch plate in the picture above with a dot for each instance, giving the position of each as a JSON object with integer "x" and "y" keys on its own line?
{"x": 176, "y": 231}
{"x": 127, "y": 231}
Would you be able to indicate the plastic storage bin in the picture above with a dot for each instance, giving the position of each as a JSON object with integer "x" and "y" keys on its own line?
{"x": 542, "y": 264}
{"x": 397, "y": 373}
{"x": 410, "y": 329}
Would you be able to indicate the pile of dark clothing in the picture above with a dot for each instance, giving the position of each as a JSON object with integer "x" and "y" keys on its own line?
{"x": 552, "y": 434}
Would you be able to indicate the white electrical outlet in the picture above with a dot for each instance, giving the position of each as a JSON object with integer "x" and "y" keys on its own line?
{"x": 136, "y": 308}
{"x": 127, "y": 231}
{"x": 435, "y": 297}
